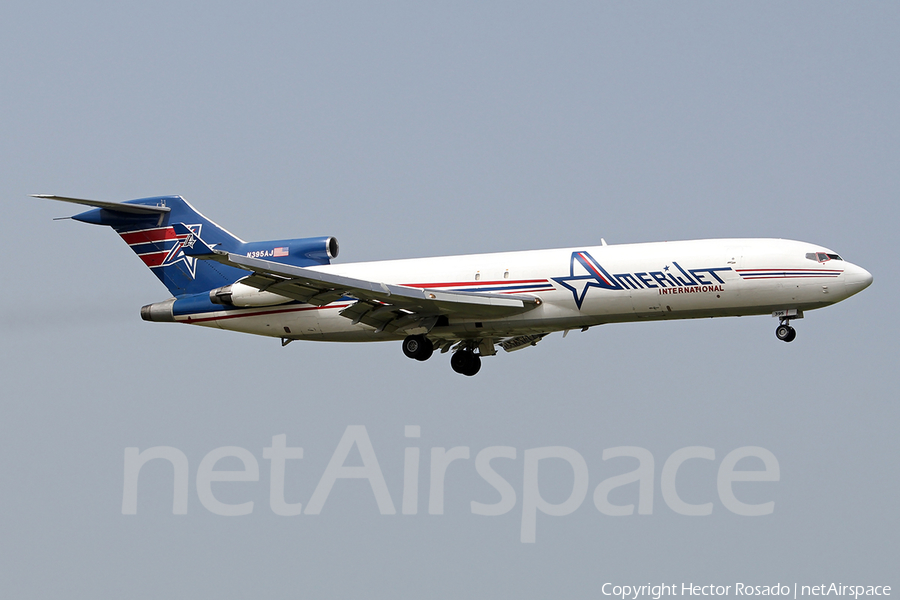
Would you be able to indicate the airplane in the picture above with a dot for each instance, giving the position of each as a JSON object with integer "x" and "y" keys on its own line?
{"x": 472, "y": 305}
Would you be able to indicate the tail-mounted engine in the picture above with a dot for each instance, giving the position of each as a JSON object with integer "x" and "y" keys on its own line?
{"x": 244, "y": 296}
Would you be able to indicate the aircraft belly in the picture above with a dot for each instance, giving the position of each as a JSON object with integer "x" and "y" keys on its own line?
{"x": 212, "y": 324}
{"x": 336, "y": 328}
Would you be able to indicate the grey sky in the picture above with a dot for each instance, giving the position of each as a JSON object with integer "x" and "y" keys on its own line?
{"x": 425, "y": 129}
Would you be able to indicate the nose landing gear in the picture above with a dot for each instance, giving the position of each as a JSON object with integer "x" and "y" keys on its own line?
{"x": 784, "y": 331}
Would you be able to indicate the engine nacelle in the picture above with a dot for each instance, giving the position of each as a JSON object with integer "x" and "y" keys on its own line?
{"x": 319, "y": 250}
{"x": 301, "y": 252}
{"x": 244, "y": 296}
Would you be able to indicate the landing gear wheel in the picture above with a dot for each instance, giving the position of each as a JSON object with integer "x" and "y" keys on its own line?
{"x": 418, "y": 347}
{"x": 785, "y": 333}
{"x": 465, "y": 362}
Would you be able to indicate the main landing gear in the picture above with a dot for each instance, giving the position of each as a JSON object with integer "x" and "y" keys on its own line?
{"x": 464, "y": 361}
{"x": 418, "y": 347}
{"x": 785, "y": 332}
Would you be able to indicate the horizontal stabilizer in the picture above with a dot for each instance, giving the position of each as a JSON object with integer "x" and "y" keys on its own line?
{"x": 134, "y": 209}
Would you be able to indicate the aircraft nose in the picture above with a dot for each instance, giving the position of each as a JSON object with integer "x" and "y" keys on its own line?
{"x": 856, "y": 279}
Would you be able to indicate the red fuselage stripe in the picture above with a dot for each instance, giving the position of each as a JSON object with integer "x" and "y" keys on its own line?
{"x": 822, "y": 271}
{"x": 471, "y": 283}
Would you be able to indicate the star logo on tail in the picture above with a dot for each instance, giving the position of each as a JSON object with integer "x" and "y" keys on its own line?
{"x": 176, "y": 254}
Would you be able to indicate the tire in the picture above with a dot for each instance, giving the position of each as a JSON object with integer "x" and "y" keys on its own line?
{"x": 473, "y": 366}
{"x": 426, "y": 349}
{"x": 783, "y": 332}
{"x": 465, "y": 362}
{"x": 418, "y": 347}
{"x": 791, "y": 335}
{"x": 458, "y": 361}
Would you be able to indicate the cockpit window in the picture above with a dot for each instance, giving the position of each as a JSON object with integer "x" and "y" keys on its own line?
{"x": 822, "y": 256}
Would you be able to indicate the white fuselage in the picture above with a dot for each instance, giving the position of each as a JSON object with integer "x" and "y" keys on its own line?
{"x": 581, "y": 287}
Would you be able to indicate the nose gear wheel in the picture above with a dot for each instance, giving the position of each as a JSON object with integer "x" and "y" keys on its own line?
{"x": 785, "y": 332}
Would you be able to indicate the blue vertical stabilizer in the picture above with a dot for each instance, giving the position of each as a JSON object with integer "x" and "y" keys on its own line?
{"x": 147, "y": 227}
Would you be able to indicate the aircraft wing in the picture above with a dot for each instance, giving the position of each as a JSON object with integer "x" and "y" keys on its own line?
{"x": 386, "y": 307}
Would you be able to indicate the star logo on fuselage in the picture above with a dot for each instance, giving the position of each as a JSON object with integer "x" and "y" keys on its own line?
{"x": 586, "y": 273}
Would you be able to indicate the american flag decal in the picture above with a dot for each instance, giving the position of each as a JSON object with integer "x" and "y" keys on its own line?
{"x": 283, "y": 251}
